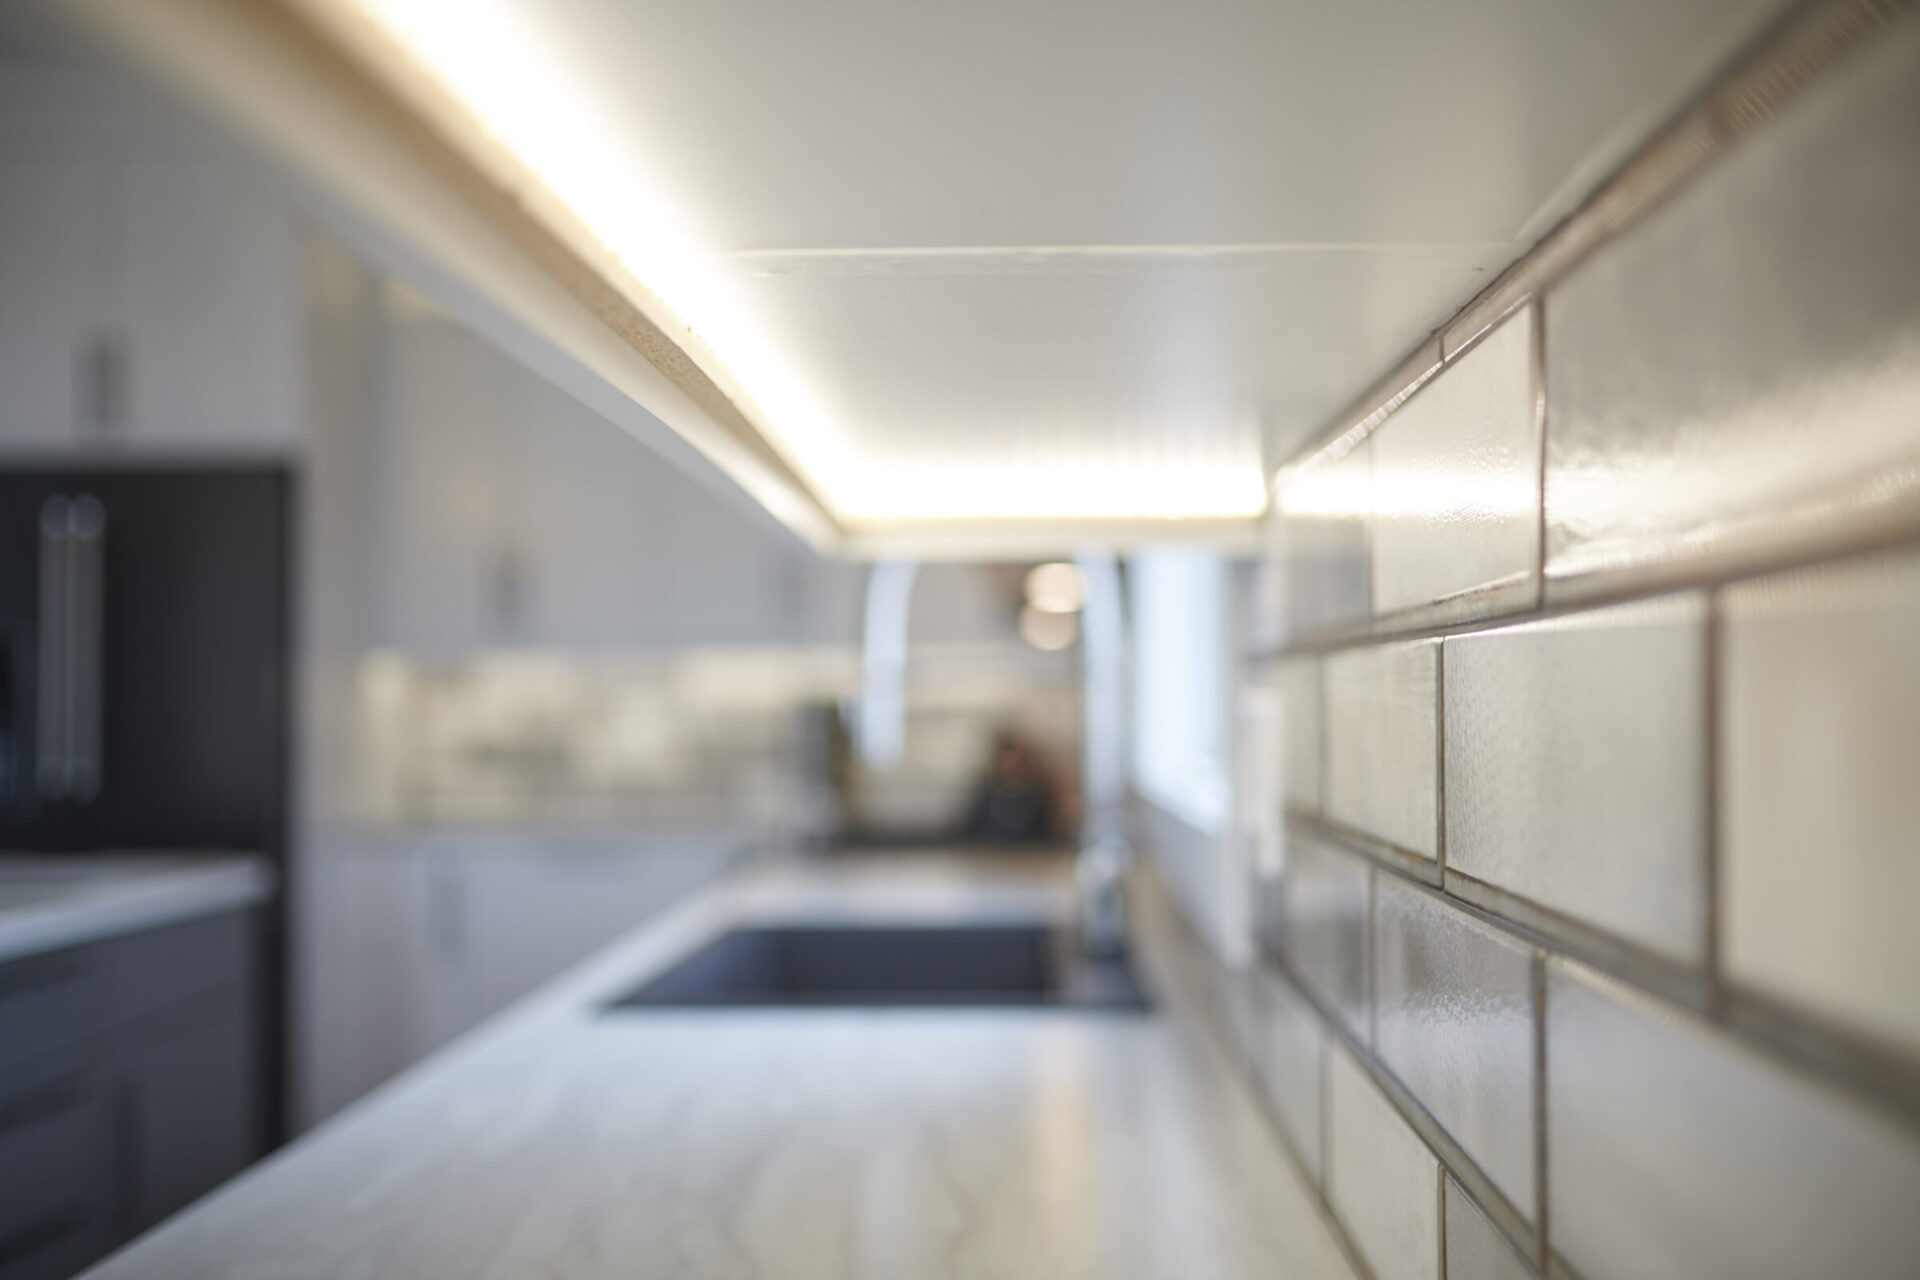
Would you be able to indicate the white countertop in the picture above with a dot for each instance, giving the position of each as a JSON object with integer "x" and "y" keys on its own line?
{"x": 49, "y": 901}
{"x": 558, "y": 1140}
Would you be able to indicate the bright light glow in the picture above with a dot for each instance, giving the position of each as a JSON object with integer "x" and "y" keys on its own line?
{"x": 496, "y": 66}
{"x": 1055, "y": 588}
{"x": 493, "y": 60}
{"x": 1334, "y": 492}
{"x": 1064, "y": 488}
{"x": 1049, "y": 631}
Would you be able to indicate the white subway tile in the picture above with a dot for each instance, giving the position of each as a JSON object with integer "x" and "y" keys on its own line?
{"x": 1382, "y": 1181}
{"x": 1382, "y": 763}
{"x": 1674, "y": 1151}
{"x": 1323, "y": 510}
{"x": 1454, "y": 1020}
{"x": 1741, "y": 372}
{"x": 1300, "y": 734}
{"x": 1820, "y": 768}
{"x": 1475, "y": 1248}
{"x": 1576, "y": 767}
{"x": 1289, "y": 1045}
{"x": 1456, "y": 485}
{"x": 1324, "y": 927}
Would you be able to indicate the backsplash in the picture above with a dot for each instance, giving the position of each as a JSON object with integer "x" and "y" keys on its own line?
{"x": 1588, "y": 949}
{"x": 744, "y": 734}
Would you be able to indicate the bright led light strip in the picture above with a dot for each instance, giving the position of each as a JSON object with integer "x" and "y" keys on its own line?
{"x": 496, "y": 66}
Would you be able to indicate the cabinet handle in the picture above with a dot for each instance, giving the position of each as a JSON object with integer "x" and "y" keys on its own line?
{"x": 50, "y": 740}
{"x": 103, "y": 382}
{"x": 87, "y": 532}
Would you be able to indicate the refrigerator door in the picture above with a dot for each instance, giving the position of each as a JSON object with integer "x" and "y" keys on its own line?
{"x": 145, "y": 618}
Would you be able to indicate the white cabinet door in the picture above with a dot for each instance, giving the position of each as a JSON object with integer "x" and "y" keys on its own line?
{"x": 49, "y": 323}
{"x": 209, "y": 299}
{"x": 450, "y": 579}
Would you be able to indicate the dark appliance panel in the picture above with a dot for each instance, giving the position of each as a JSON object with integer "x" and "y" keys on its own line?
{"x": 143, "y": 635}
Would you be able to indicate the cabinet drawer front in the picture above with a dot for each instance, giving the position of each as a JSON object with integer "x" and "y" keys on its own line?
{"x": 56, "y": 1176}
{"x": 159, "y": 967}
{"x": 48, "y": 1002}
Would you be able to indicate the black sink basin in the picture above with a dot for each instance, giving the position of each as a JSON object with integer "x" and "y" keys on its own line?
{"x": 1000, "y": 965}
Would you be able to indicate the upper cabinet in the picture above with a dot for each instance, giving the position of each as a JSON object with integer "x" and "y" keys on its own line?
{"x": 513, "y": 515}
{"x": 150, "y": 297}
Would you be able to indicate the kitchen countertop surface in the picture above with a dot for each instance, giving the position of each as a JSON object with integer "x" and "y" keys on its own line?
{"x": 560, "y": 1140}
{"x": 49, "y": 901}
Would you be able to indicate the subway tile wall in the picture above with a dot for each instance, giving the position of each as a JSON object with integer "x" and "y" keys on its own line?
{"x": 1576, "y": 767}
{"x": 1820, "y": 792}
{"x": 1381, "y": 1179}
{"x": 1454, "y": 1021}
{"x": 1689, "y": 360}
{"x": 1382, "y": 742}
{"x": 1456, "y": 487}
{"x": 1595, "y": 954}
{"x": 1324, "y": 904}
{"x": 1723, "y": 1163}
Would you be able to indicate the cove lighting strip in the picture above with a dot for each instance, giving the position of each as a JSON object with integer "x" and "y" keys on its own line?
{"x": 494, "y": 63}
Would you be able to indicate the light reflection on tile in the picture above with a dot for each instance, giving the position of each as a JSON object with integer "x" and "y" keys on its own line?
{"x": 1323, "y": 514}
{"x": 1475, "y": 1248}
{"x": 1456, "y": 485}
{"x": 1324, "y": 930}
{"x": 1820, "y": 821}
{"x": 1576, "y": 767}
{"x": 1742, "y": 372}
{"x": 1382, "y": 763}
{"x": 1381, "y": 1179}
{"x": 1724, "y": 1164}
{"x": 1453, "y": 1019}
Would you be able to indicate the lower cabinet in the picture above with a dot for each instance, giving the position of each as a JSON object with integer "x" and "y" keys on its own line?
{"x": 57, "y": 1174}
{"x": 143, "y": 1096}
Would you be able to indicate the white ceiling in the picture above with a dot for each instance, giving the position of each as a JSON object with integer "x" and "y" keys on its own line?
{"x": 1095, "y": 249}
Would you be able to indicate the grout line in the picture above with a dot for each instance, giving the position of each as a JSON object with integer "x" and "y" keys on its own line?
{"x": 1447, "y": 1151}
{"x": 1830, "y": 1056}
{"x": 1717, "y": 569}
{"x": 1710, "y": 818}
{"x": 1440, "y": 1212}
{"x": 1540, "y": 443}
{"x": 1370, "y": 973}
{"x": 1440, "y": 759}
{"x": 1540, "y": 1199}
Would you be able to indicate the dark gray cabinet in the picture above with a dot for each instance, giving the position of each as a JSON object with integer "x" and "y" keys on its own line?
{"x": 129, "y": 1087}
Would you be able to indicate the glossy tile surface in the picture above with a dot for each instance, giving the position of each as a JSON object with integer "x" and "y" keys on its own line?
{"x": 1456, "y": 485}
{"x": 1323, "y": 509}
{"x": 1382, "y": 762}
{"x": 1820, "y": 824}
{"x": 1742, "y": 372}
{"x": 1288, "y": 1048}
{"x": 1324, "y": 925}
{"x": 1475, "y": 1248}
{"x": 1381, "y": 1179}
{"x": 1723, "y": 1163}
{"x": 1453, "y": 1019}
{"x": 1300, "y": 734}
{"x": 1576, "y": 758}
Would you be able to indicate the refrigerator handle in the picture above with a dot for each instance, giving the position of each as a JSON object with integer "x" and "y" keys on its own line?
{"x": 72, "y": 647}
{"x": 51, "y": 750}
{"x": 86, "y": 642}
